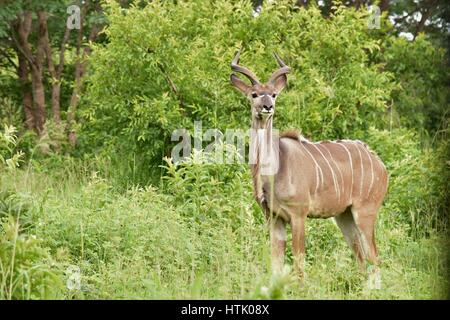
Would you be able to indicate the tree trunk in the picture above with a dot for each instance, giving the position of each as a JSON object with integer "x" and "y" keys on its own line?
{"x": 37, "y": 75}
{"x": 428, "y": 9}
{"x": 76, "y": 89}
{"x": 80, "y": 69}
{"x": 27, "y": 96}
{"x": 55, "y": 72}
{"x": 23, "y": 29}
{"x": 384, "y": 5}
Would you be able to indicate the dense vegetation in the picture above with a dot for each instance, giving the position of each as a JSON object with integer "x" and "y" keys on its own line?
{"x": 112, "y": 205}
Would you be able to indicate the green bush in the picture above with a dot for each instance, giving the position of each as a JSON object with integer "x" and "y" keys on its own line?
{"x": 201, "y": 235}
{"x": 9, "y": 157}
{"x": 140, "y": 242}
{"x": 167, "y": 65}
{"x": 136, "y": 226}
{"x": 210, "y": 190}
{"x": 418, "y": 179}
{"x": 27, "y": 270}
{"x": 9, "y": 112}
{"x": 422, "y": 99}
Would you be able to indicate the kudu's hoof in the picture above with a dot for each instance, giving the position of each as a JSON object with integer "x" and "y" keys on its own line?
{"x": 374, "y": 279}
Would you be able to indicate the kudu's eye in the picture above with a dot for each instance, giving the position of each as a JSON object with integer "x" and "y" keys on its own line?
{"x": 254, "y": 95}
{"x": 274, "y": 95}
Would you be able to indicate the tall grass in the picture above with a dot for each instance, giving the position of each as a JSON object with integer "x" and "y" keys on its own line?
{"x": 197, "y": 235}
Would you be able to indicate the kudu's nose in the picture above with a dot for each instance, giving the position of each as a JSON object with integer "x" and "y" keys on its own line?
{"x": 268, "y": 107}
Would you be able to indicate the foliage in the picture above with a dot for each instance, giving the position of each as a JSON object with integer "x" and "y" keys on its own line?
{"x": 9, "y": 112}
{"x": 430, "y": 17}
{"x": 210, "y": 188}
{"x": 167, "y": 65}
{"x": 8, "y": 157}
{"x": 26, "y": 269}
{"x": 142, "y": 240}
{"x": 418, "y": 179}
{"x": 150, "y": 243}
{"x": 137, "y": 225}
{"x": 423, "y": 99}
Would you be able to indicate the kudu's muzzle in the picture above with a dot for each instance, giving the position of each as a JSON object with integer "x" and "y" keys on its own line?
{"x": 266, "y": 105}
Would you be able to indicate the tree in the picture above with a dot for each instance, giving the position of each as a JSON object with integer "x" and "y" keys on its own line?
{"x": 80, "y": 69}
{"x": 34, "y": 39}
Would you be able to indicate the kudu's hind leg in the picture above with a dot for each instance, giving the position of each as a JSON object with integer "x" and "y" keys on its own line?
{"x": 277, "y": 243}
{"x": 365, "y": 221}
{"x": 365, "y": 218}
{"x": 348, "y": 227}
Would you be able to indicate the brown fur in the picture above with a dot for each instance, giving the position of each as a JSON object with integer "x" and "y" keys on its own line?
{"x": 291, "y": 134}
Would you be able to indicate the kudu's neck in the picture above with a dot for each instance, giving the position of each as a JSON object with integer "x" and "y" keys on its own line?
{"x": 261, "y": 142}
{"x": 264, "y": 155}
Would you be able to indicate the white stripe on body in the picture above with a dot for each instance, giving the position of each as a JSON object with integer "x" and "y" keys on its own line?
{"x": 351, "y": 164}
{"x": 336, "y": 165}
{"x": 318, "y": 168}
{"x": 362, "y": 167}
{"x": 336, "y": 190}
{"x": 371, "y": 170}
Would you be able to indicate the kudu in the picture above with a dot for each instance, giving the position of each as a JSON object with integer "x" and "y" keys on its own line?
{"x": 341, "y": 179}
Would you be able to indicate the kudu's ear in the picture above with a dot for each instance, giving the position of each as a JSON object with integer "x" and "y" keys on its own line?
{"x": 239, "y": 84}
{"x": 279, "y": 83}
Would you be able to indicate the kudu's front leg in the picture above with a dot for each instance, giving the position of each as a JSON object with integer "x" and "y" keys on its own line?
{"x": 298, "y": 244}
{"x": 278, "y": 243}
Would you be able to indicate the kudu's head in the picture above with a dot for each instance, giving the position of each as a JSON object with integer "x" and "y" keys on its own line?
{"x": 262, "y": 96}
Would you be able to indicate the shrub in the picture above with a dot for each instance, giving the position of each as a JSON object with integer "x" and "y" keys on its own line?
{"x": 211, "y": 190}
{"x": 167, "y": 65}
{"x": 27, "y": 271}
{"x": 421, "y": 69}
{"x": 8, "y": 141}
{"x": 418, "y": 179}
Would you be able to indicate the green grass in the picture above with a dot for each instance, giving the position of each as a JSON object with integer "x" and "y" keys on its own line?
{"x": 199, "y": 235}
